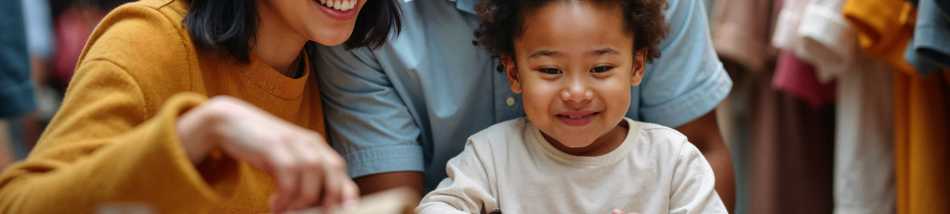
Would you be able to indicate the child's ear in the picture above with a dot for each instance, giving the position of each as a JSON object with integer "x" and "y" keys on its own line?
{"x": 512, "y": 72}
{"x": 639, "y": 66}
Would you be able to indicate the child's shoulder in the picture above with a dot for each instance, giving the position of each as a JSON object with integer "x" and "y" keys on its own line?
{"x": 658, "y": 129}
{"x": 658, "y": 135}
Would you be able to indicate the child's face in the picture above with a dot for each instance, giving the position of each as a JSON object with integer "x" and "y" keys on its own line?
{"x": 574, "y": 65}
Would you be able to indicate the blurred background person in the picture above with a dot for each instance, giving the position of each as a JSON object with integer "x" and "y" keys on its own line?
{"x": 16, "y": 87}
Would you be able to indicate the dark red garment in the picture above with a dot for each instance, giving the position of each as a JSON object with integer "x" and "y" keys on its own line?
{"x": 798, "y": 79}
{"x": 792, "y": 153}
{"x": 73, "y": 28}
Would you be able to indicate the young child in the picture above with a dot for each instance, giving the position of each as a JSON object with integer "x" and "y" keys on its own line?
{"x": 574, "y": 62}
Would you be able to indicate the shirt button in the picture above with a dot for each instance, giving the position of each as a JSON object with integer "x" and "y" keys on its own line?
{"x": 500, "y": 68}
{"x": 510, "y": 101}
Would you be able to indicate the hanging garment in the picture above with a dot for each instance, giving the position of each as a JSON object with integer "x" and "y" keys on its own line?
{"x": 930, "y": 47}
{"x": 862, "y": 140}
{"x": 864, "y": 148}
{"x": 826, "y": 39}
{"x": 797, "y": 78}
{"x": 73, "y": 28}
{"x": 922, "y": 66}
{"x": 793, "y": 75}
{"x": 791, "y": 146}
{"x": 921, "y": 120}
{"x": 922, "y": 158}
{"x": 884, "y": 29}
{"x": 786, "y": 25}
{"x": 740, "y": 33}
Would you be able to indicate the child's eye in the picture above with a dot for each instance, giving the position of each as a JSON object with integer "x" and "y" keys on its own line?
{"x": 550, "y": 70}
{"x": 601, "y": 69}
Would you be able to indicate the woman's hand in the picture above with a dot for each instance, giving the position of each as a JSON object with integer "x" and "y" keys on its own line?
{"x": 618, "y": 211}
{"x": 307, "y": 170}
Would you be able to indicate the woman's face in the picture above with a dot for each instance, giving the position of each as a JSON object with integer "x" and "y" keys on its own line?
{"x": 328, "y": 22}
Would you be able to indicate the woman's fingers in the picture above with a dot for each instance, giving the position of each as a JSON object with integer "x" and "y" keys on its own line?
{"x": 312, "y": 175}
{"x": 351, "y": 194}
{"x": 334, "y": 167}
{"x": 287, "y": 173}
{"x": 332, "y": 191}
{"x": 322, "y": 174}
{"x": 307, "y": 170}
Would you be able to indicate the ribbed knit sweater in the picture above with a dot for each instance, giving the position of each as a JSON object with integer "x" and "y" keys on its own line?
{"x": 114, "y": 140}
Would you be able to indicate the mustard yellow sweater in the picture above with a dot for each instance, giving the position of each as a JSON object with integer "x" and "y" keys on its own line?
{"x": 114, "y": 140}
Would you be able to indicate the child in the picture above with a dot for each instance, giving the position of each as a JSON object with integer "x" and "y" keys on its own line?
{"x": 574, "y": 62}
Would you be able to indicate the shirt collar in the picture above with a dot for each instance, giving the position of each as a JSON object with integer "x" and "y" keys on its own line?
{"x": 466, "y": 5}
{"x": 463, "y": 5}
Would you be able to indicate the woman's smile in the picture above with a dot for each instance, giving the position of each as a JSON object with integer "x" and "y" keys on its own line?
{"x": 338, "y": 9}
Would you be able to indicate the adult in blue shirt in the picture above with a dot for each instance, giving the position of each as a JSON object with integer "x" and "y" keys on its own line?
{"x": 399, "y": 113}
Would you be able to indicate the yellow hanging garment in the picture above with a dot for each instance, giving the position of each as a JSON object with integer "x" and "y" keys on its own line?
{"x": 922, "y": 123}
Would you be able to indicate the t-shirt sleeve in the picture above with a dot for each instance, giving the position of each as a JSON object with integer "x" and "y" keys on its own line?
{"x": 101, "y": 148}
{"x": 688, "y": 80}
{"x": 368, "y": 122}
{"x": 693, "y": 187}
{"x": 466, "y": 190}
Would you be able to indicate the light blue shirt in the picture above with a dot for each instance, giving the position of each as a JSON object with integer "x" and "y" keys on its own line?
{"x": 39, "y": 28}
{"x": 929, "y": 49}
{"x": 411, "y": 104}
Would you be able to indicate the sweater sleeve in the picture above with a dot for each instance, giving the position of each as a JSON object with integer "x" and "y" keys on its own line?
{"x": 102, "y": 148}
{"x": 466, "y": 188}
{"x": 693, "y": 186}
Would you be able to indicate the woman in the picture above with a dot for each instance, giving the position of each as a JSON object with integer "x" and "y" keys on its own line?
{"x": 137, "y": 127}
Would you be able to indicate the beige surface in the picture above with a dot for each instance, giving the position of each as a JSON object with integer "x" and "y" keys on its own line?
{"x": 396, "y": 201}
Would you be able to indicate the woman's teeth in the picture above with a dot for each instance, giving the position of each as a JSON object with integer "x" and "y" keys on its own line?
{"x": 342, "y": 5}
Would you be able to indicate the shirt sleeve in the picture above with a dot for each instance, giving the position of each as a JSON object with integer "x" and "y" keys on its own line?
{"x": 16, "y": 88}
{"x": 693, "y": 187}
{"x": 368, "y": 122}
{"x": 102, "y": 148}
{"x": 465, "y": 190}
{"x": 688, "y": 80}
{"x": 827, "y": 40}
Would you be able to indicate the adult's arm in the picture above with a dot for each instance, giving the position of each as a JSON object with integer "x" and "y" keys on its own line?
{"x": 374, "y": 183}
{"x": 683, "y": 87}
{"x": 107, "y": 143}
{"x": 367, "y": 120}
{"x": 100, "y": 149}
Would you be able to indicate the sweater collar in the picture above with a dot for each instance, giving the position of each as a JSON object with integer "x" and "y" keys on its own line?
{"x": 272, "y": 81}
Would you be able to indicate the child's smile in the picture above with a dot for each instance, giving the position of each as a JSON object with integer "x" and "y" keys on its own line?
{"x": 574, "y": 64}
{"x": 577, "y": 117}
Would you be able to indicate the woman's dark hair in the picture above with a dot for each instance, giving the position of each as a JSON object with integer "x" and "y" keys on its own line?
{"x": 226, "y": 26}
{"x": 503, "y": 22}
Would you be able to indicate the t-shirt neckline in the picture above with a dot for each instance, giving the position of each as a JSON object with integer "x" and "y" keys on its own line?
{"x": 615, "y": 155}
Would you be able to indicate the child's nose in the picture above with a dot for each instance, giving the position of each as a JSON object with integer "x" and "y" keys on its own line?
{"x": 577, "y": 90}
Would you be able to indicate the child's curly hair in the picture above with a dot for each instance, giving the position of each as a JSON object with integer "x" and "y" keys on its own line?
{"x": 503, "y": 22}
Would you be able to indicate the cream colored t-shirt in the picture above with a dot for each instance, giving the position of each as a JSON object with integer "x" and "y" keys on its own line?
{"x": 511, "y": 167}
